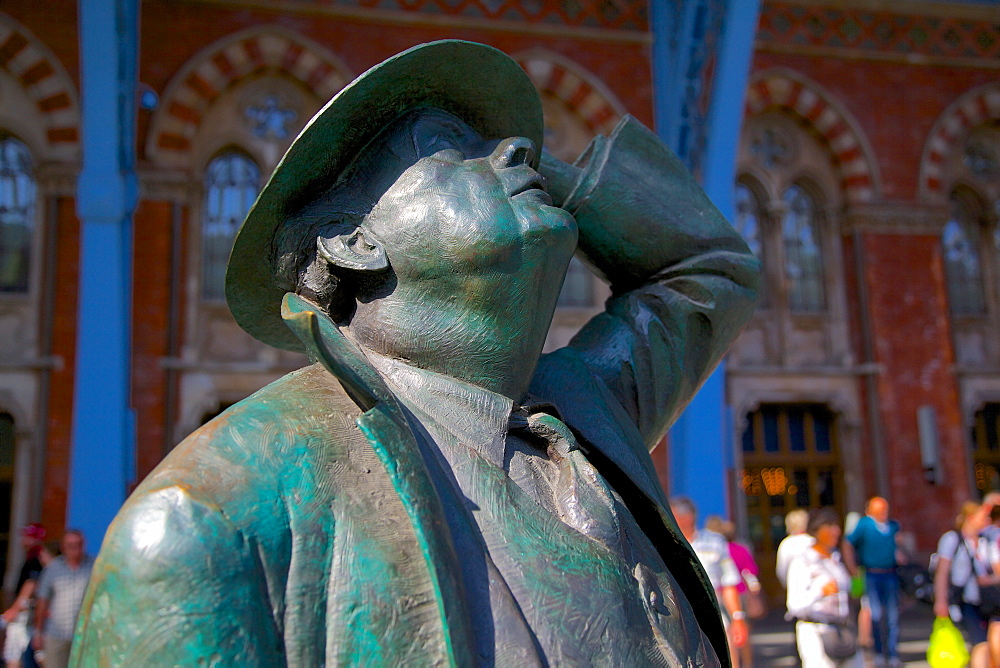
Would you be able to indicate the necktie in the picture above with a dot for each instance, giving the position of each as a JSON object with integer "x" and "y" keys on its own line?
{"x": 583, "y": 499}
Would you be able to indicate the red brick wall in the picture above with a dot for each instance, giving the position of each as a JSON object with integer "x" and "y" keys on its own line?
{"x": 151, "y": 273}
{"x": 854, "y": 319}
{"x": 171, "y": 38}
{"x": 54, "y": 22}
{"x": 905, "y": 279}
{"x": 910, "y": 100}
{"x": 58, "y": 447}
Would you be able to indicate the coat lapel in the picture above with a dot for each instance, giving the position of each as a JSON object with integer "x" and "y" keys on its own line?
{"x": 617, "y": 450}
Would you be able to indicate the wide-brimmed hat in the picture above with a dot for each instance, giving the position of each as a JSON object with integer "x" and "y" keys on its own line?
{"x": 477, "y": 83}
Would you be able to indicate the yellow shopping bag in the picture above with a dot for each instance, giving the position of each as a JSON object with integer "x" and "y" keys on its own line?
{"x": 947, "y": 646}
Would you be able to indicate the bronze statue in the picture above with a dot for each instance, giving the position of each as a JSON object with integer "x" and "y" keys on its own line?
{"x": 433, "y": 489}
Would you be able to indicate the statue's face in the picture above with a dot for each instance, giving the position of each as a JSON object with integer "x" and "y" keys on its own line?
{"x": 469, "y": 208}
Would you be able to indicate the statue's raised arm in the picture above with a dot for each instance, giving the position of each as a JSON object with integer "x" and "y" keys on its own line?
{"x": 683, "y": 280}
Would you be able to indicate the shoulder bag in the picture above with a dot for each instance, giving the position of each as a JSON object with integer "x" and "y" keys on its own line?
{"x": 840, "y": 641}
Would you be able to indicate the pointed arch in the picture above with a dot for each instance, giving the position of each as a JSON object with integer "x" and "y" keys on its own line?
{"x": 47, "y": 84}
{"x": 972, "y": 109}
{"x": 582, "y": 92}
{"x": 229, "y": 60}
{"x": 828, "y": 118}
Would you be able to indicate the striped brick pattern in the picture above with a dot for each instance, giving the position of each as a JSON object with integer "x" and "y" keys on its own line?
{"x": 781, "y": 90}
{"x": 971, "y": 110}
{"x": 198, "y": 85}
{"x": 584, "y": 98}
{"x": 45, "y": 82}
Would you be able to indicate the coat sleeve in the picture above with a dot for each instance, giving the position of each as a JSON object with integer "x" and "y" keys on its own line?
{"x": 176, "y": 584}
{"x": 683, "y": 281}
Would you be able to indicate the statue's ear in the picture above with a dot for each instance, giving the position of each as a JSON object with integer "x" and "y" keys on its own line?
{"x": 354, "y": 250}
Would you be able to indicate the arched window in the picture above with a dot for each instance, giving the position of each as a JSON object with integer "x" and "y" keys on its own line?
{"x": 17, "y": 215}
{"x": 962, "y": 263}
{"x": 803, "y": 255}
{"x": 232, "y": 181}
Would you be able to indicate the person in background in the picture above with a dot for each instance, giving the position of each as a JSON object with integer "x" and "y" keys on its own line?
{"x": 956, "y": 589}
{"x": 16, "y": 616}
{"x": 992, "y": 531}
{"x": 796, "y": 542}
{"x": 749, "y": 585}
{"x": 858, "y": 582}
{"x": 712, "y": 550}
{"x": 60, "y": 594}
{"x": 989, "y": 573}
{"x": 818, "y": 585}
{"x": 874, "y": 547}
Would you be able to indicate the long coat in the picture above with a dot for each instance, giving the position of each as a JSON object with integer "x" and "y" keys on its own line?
{"x": 301, "y": 526}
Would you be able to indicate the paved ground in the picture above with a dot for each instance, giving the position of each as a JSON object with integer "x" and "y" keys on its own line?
{"x": 774, "y": 640}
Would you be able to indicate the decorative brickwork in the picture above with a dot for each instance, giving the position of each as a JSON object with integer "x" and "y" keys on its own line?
{"x": 787, "y": 90}
{"x": 794, "y": 25}
{"x": 970, "y": 110}
{"x": 602, "y": 14}
{"x": 44, "y": 80}
{"x": 222, "y": 64}
{"x": 580, "y": 91}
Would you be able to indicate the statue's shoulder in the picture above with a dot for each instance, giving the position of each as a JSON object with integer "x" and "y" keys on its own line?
{"x": 295, "y": 434}
{"x": 305, "y": 414}
{"x": 236, "y": 487}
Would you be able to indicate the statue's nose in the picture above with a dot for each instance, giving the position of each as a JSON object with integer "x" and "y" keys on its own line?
{"x": 513, "y": 152}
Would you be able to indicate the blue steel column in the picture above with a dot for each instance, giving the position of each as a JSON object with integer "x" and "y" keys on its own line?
{"x": 103, "y": 430}
{"x": 701, "y": 442}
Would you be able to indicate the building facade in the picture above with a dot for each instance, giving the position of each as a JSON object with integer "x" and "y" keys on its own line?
{"x": 866, "y": 184}
{"x": 867, "y": 180}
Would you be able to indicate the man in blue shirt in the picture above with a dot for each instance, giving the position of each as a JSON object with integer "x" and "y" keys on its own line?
{"x": 874, "y": 543}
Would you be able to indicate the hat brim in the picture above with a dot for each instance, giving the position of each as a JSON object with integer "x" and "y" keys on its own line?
{"x": 477, "y": 83}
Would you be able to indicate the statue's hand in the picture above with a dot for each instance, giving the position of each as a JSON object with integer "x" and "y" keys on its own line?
{"x": 560, "y": 177}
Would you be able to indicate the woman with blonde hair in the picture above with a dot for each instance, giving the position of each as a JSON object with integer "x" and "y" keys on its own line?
{"x": 960, "y": 558}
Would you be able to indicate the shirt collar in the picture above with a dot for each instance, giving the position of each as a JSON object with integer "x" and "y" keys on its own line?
{"x": 471, "y": 415}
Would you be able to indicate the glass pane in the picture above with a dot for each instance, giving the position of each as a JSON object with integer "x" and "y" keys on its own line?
{"x": 803, "y": 256}
{"x": 748, "y": 445}
{"x": 6, "y": 440}
{"x": 17, "y": 215}
{"x": 756, "y": 530}
{"x": 800, "y": 483}
{"x": 827, "y": 491}
{"x": 796, "y": 430}
{"x": 777, "y": 523}
{"x": 578, "y": 288}
{"x": 753, "y": 486}
{"x": 821, "y": 422}
{"x": 748, "y": 225}
{"x": 771, "y": 443}
{"x": 962, "y": 263}
{"x": 232, "y": 182}
{"x": 747, "y": 216}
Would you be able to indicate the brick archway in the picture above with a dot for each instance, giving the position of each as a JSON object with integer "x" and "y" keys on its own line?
{"x": 973, "y": 108}
{"x": 46, "y": 83}
{"x": 196, "y": 85}
{"x": 787, "y": 90}
{"x": 582, "y": 92}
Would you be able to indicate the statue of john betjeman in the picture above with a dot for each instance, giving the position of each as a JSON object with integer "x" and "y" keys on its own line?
{"x": 433, "y": 489}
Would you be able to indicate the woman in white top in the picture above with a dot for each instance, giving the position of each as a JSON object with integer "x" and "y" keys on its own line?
{"x": 818, "y": 586}
{"x": 960, "y": 555}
